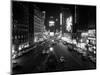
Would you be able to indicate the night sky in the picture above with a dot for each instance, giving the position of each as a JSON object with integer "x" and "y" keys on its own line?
{"x": 53, "y": 9}
{"x": 85, "y": 14}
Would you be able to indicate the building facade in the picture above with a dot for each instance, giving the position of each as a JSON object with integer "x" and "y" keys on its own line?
{"x": 27, "y": 23}
{"x": 20, "y": 24}
{"x": 39, "y": 18}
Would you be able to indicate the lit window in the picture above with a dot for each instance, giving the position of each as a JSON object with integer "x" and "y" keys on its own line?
{"x": 18, "y": 36}
{"x": 22, "y": 36}
{"x": 15, "y": 37}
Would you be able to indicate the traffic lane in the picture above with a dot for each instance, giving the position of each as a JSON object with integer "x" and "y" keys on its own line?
{"x": 73, "y": 57}
{"x": 30, "y": 60}
{"x": 87, "y": 64}
{"x": 71, "y": 61}
{"x": 27, "y": 56}
{"x": 34, "y": 67}
{"x": 85, "y": 61}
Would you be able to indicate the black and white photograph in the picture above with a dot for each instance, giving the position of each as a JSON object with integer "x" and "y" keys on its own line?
{"x": 52, "y": 37}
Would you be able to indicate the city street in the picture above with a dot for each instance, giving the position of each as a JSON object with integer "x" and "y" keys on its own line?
{"x": 50, "y": 37}
{"x": 35, "y": 61}
{"x": 29, "y": 61}
{"x": 72, "y": 60}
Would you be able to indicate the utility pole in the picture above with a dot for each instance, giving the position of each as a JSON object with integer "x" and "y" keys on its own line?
{"x": 75, "y": 14}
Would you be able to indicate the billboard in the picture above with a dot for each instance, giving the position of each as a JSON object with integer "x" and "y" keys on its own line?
{"x": 69, "y": 24}
{"x": 51, "y": 23}
{"x": 67, "y": 20}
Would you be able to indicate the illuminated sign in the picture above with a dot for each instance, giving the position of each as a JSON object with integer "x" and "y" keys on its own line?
{"x": 51, "y": 23}
{"x": 69, "y": 24}
{"x": 92, "y": 32}
{"x": 85, "y": 34}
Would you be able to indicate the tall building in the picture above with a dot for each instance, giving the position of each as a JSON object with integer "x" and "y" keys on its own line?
{"x": 51, "y": 23}
{"x": 20, "y": 24}
{"x": 66, "y": 22}
{"x": 28, "y": 23}
{"x": 39, "y": 18}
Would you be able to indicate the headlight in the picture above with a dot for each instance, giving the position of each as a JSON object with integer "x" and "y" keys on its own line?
{"x": 20, "y": 48}
{"x": 51, "y": 48}
{"x": 52, "y": 40}
{"x": 13, "y": 51}
{"x": 14, "y": 56}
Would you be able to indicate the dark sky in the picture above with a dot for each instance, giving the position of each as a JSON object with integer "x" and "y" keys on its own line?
{"x": 86, "y": 14}
{"x": 53, "y": 9}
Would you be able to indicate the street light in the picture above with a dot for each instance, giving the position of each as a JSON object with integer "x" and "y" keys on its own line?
{"x": 60, "y": 18}
{"x": 51, "y": 48}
